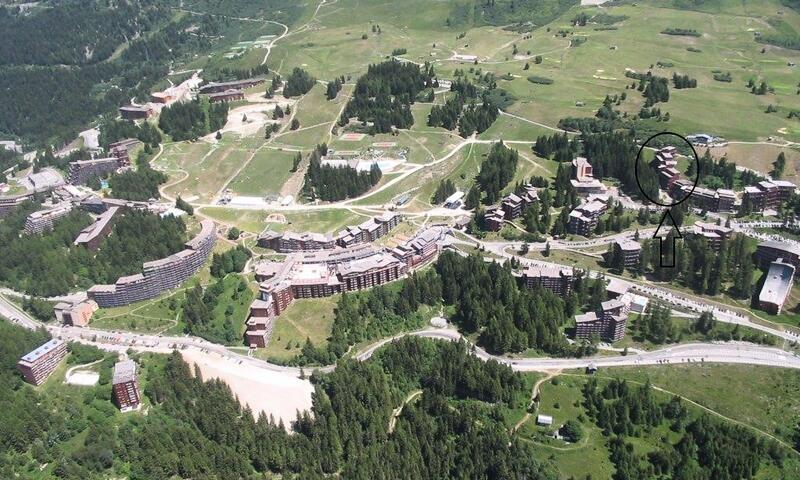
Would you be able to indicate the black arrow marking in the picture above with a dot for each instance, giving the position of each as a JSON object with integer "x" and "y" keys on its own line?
{"x": 667, "y": 235}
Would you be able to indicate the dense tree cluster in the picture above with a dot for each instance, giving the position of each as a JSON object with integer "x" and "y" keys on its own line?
{"x": 114, "y": 130}
{"x": 683, "y": 81}
{"x": 202, "y": 306}
{"x": 383, "y": 96}
{"x": 497, "y": 171}
{"x": 83, "y": 36}
{"x": 299, "y": 82}
{"x": 230, "y": 261}
{"x": 557, "y": 147}
{"x": 140, "y": 184}
{"x": 331, "y": 183}
{"x": 704, "y": 270}
{"x": 346, "y": 432}
{"x": 488, "y": 300}
{"x": 475, "y": 118}
{"x": 192, "y": 120}
{"x": 443, "y": 190}
{"x": 334, "y": 87}
{"x": 614, "y": 155}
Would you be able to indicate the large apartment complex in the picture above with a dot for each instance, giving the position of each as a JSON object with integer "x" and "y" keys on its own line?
{"x": 37, "y": 365}
{"x": 159, "y": 275}
{"x": 82, "y": 171}
{"x": 327, "y": 272}
{"x": 369, "y": 231}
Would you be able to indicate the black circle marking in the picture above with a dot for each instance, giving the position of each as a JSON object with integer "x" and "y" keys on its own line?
{"x": 696, "y": 162}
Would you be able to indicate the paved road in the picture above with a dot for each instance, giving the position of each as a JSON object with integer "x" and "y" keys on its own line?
{"x": 737, "y": 353}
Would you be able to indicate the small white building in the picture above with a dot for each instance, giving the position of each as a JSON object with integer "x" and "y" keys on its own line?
{"x": 454, "y": 200}
{"x": 544, "y": 420}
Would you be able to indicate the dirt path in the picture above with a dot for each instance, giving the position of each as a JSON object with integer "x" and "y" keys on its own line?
{"x": 534, "y": 394}
{"x": 397, "y": 411}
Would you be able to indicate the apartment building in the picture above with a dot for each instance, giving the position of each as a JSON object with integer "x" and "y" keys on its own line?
{"x": 777, "y": 287}
{"x": 38, "y": 364}
{"x": 81, "y": 171}
{"x": 718, "y": 201}
{"x": 629, "y": 250}
{"x": 91, "y": 236}
{"x": 608, "y": 324}
{"x": 557, "y": 280}
{"x": 159, "y": 275}
{"x": 229, "y": 95}
{"x": 514, "y": 204}
{"x": 43, "y": 220}
{"x": 583, "y": 219}
{"x": 494, "y": 219}
{"x": 767, "y": 195}
{"x": 295, "y": 242}
{"x": 216, "y": 87}
{"x": 369, "y": 231}
{"x": 8, "y": 204}
{"x": 419, "y": 249}
{"x": 714, "y": 234}
{"x": 125, "y": 386}
{"x": 583, "y": 180}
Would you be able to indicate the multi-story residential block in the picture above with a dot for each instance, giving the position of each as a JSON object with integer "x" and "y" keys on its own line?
{"x": 777, "y": 287}
{"x": 91, "y": 236}
{"x": 159, "y": 275}
{"x": 368, "y": 231}
{"x": 608, "y": 324}
{"x": 494, "y": 219}
{"x": 295, "y": 242}
{"x": 557, "y": 280}
{"x": 133, "y": 112}
{"x": 229, "y": 95}
{"x": 125, "y": 385}
{"x": 419, "y": 249}
{"x": 514, "y": 204}
{"x": 81, "y": 171}
{"x": 583, "y": 180}
{"x": 767, "y": 195}
{"x": 37, "y": 365}
{"x": 629, "y": 251}
{"x": 216, "y": 87}
{"x": 8, "y": 204}
{"x": 38, "y": 222}
{"x": 583, "y": 219}
{"x": 713, "y": 233}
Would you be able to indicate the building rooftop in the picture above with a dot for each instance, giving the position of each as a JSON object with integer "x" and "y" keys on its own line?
{"x": 587, "y": 317}
{"x": 41, "y": 350}
{"x": 786, "y": 247}
{"x": 124, "y": 371}
{"x": 778, "y": 283}
{"x": 628, "y": 245}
